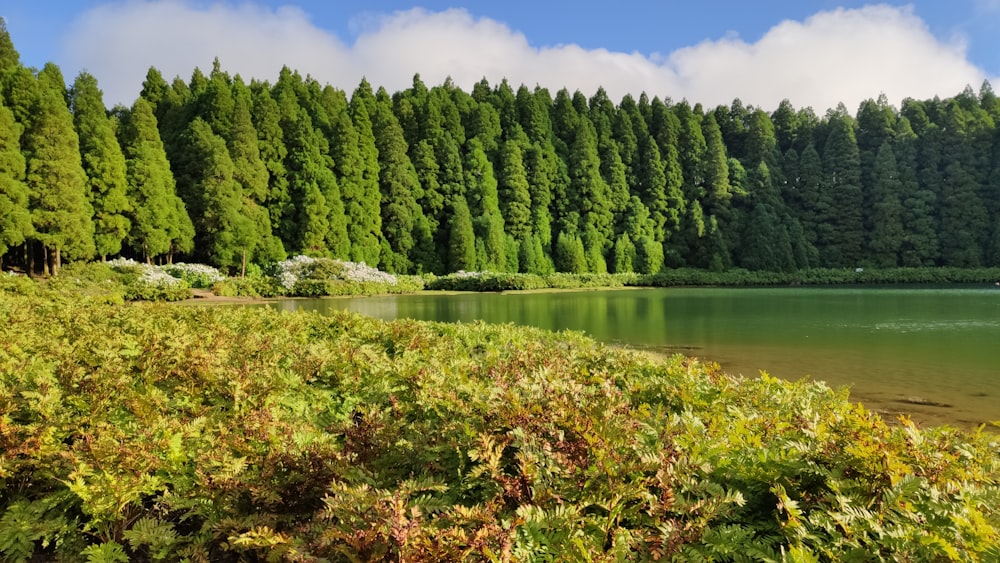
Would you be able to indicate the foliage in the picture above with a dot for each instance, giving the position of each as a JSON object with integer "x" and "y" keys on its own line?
{"x": 198, "y": 276}
{"x": 437, "y": 179}
{"x": 491, "y": 281}
{"x": 304, "y": 276}
{"x": 155, "y": 432}
{"x": 821, "y": 276}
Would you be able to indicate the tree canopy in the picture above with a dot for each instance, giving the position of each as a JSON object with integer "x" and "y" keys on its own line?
{"x": 435, "y": 178}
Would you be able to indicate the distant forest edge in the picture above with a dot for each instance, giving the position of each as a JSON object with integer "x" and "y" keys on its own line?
{"x": 225, "y": 172}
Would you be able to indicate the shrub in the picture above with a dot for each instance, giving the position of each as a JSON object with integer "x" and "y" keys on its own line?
{"x": 156, "y": 432}
{"x": 304, "y": 276}
{"x": 198, "y": 276}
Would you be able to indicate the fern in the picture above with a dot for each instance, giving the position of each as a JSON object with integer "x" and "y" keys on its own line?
{"x": 159, "y": 536}
{"x": 26, "y": 524}
{"x": 107, "y": 552}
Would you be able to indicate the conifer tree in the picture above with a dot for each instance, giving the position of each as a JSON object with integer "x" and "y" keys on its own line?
{"x": 18, "y": 85}
{"x": 251, "y": 173}
{"x": 919, "y": 246}
{"x": 266, "y": 119}
{"x": 399, "y": 188}
{"x": 60, "y": 211}
{"x": 345, "y": 146}
{"x": 963, "y": 220}
{"x": 225, "y": 234}
{"x": 589, "y": 193}
{"x": 514, "y": 194}
{"x": 547, "y": 174}
{"x": 766, "y": 244}
{"x": 691, "y": 150}
{"x": 627, "y": 121}
{"x": 364, "y": 210}
{"x": 158, "y": 218}
{"x": 602, "y": 115}
{"x": 805, "y": 205}
{"x": 715, "y": 169}
{"x": 886, "y": 229}
{"x": 963, "y": 226}
{"x": 648, "y": 256}
{"x": 786, "y": 127}
{"x": 760, "y": 144}
{"x": 104, "y": 165}
{"x": 484, "y": 204}
{"x": 462, "y": 238}
{"x": 569, "y": 254}
{"x": 841, "y": 200}
{"x": 10, "y": 59}
{"x": 665, "y": 199}
{"x": 15, "y": 219}
{"x": 308, "y": 184}
{"x": 624, "y": 255}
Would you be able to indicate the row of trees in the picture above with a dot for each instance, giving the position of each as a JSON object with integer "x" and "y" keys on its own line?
{"x": 438, "y": 179}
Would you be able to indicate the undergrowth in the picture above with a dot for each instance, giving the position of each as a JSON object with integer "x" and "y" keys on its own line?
{"x": 151, "y": 432}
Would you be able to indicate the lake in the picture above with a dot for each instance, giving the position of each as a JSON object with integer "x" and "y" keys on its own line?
{"x": 931, "y": 353}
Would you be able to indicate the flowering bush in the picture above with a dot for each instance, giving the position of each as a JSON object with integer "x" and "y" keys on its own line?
{"x": 145, "y": 282}
{"x": 305, "y": 276}
{"x": 196, "y": 275}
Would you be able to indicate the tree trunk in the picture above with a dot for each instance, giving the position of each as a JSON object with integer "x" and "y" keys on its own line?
{"x": 29, "y": 259}
{"x": 56, "y": 261}
{"x": 243, "y": 266}
{"x": 45, "y": 261}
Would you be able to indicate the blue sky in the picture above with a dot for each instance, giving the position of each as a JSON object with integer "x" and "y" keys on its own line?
{"x": 815, "y": 53}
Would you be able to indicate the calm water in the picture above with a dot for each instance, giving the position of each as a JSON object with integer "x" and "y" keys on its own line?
{"x": 899, "y": 349}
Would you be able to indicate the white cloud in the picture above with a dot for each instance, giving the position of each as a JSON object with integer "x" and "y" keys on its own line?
{"x": 836, "y": 56}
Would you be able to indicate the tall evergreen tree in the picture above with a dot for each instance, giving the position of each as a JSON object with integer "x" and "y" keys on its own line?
{"x": 462, "y": 238}
{"x": 15, "y": 219}
{"x": 666, "y": 201}
{"x": 766, "y": 244}
{"x": 691, "y": 150}
{"x": 364, "y": 204}
{"x": 590, "y": 196}
{"x": 18, "y": 86}
{"x": 399, "y": 188}
{"x": 484, "y": 203}
{"x": 786, "y": 127}
{"x": 251, "y": 173}
{"x": 157, "y": 213}
{"x": 514, "y": 193}
{"x": 569, "y": 254}
{"x": 10, "y": 59}
{"x": 919, "y": 246}
{"x": 266, "y": 118}
{"x": 964, "y": 224}
{"x": 60, "y": 212}
{"x": 225, "y": 235}
{"x": 309, "y": 181}
{"x": 104, "y": 165}
{"x": 802, "y": 195}
{"x": 886, "y": 229}
{"x": 841, "y": 199}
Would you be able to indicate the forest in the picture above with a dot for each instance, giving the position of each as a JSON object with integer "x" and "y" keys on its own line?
{"x": 218, "y": 170}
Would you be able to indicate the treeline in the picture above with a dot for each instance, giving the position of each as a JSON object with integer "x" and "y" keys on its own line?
{"x": 437, "y": 179}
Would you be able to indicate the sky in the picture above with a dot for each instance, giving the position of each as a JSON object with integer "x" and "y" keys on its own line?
{"x": 815, "y": 53}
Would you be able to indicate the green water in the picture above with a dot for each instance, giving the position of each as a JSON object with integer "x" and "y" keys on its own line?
{"x": 930, "y": 353}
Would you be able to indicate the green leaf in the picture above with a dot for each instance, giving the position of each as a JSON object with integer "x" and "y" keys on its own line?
{"x": 107, "y": 552}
